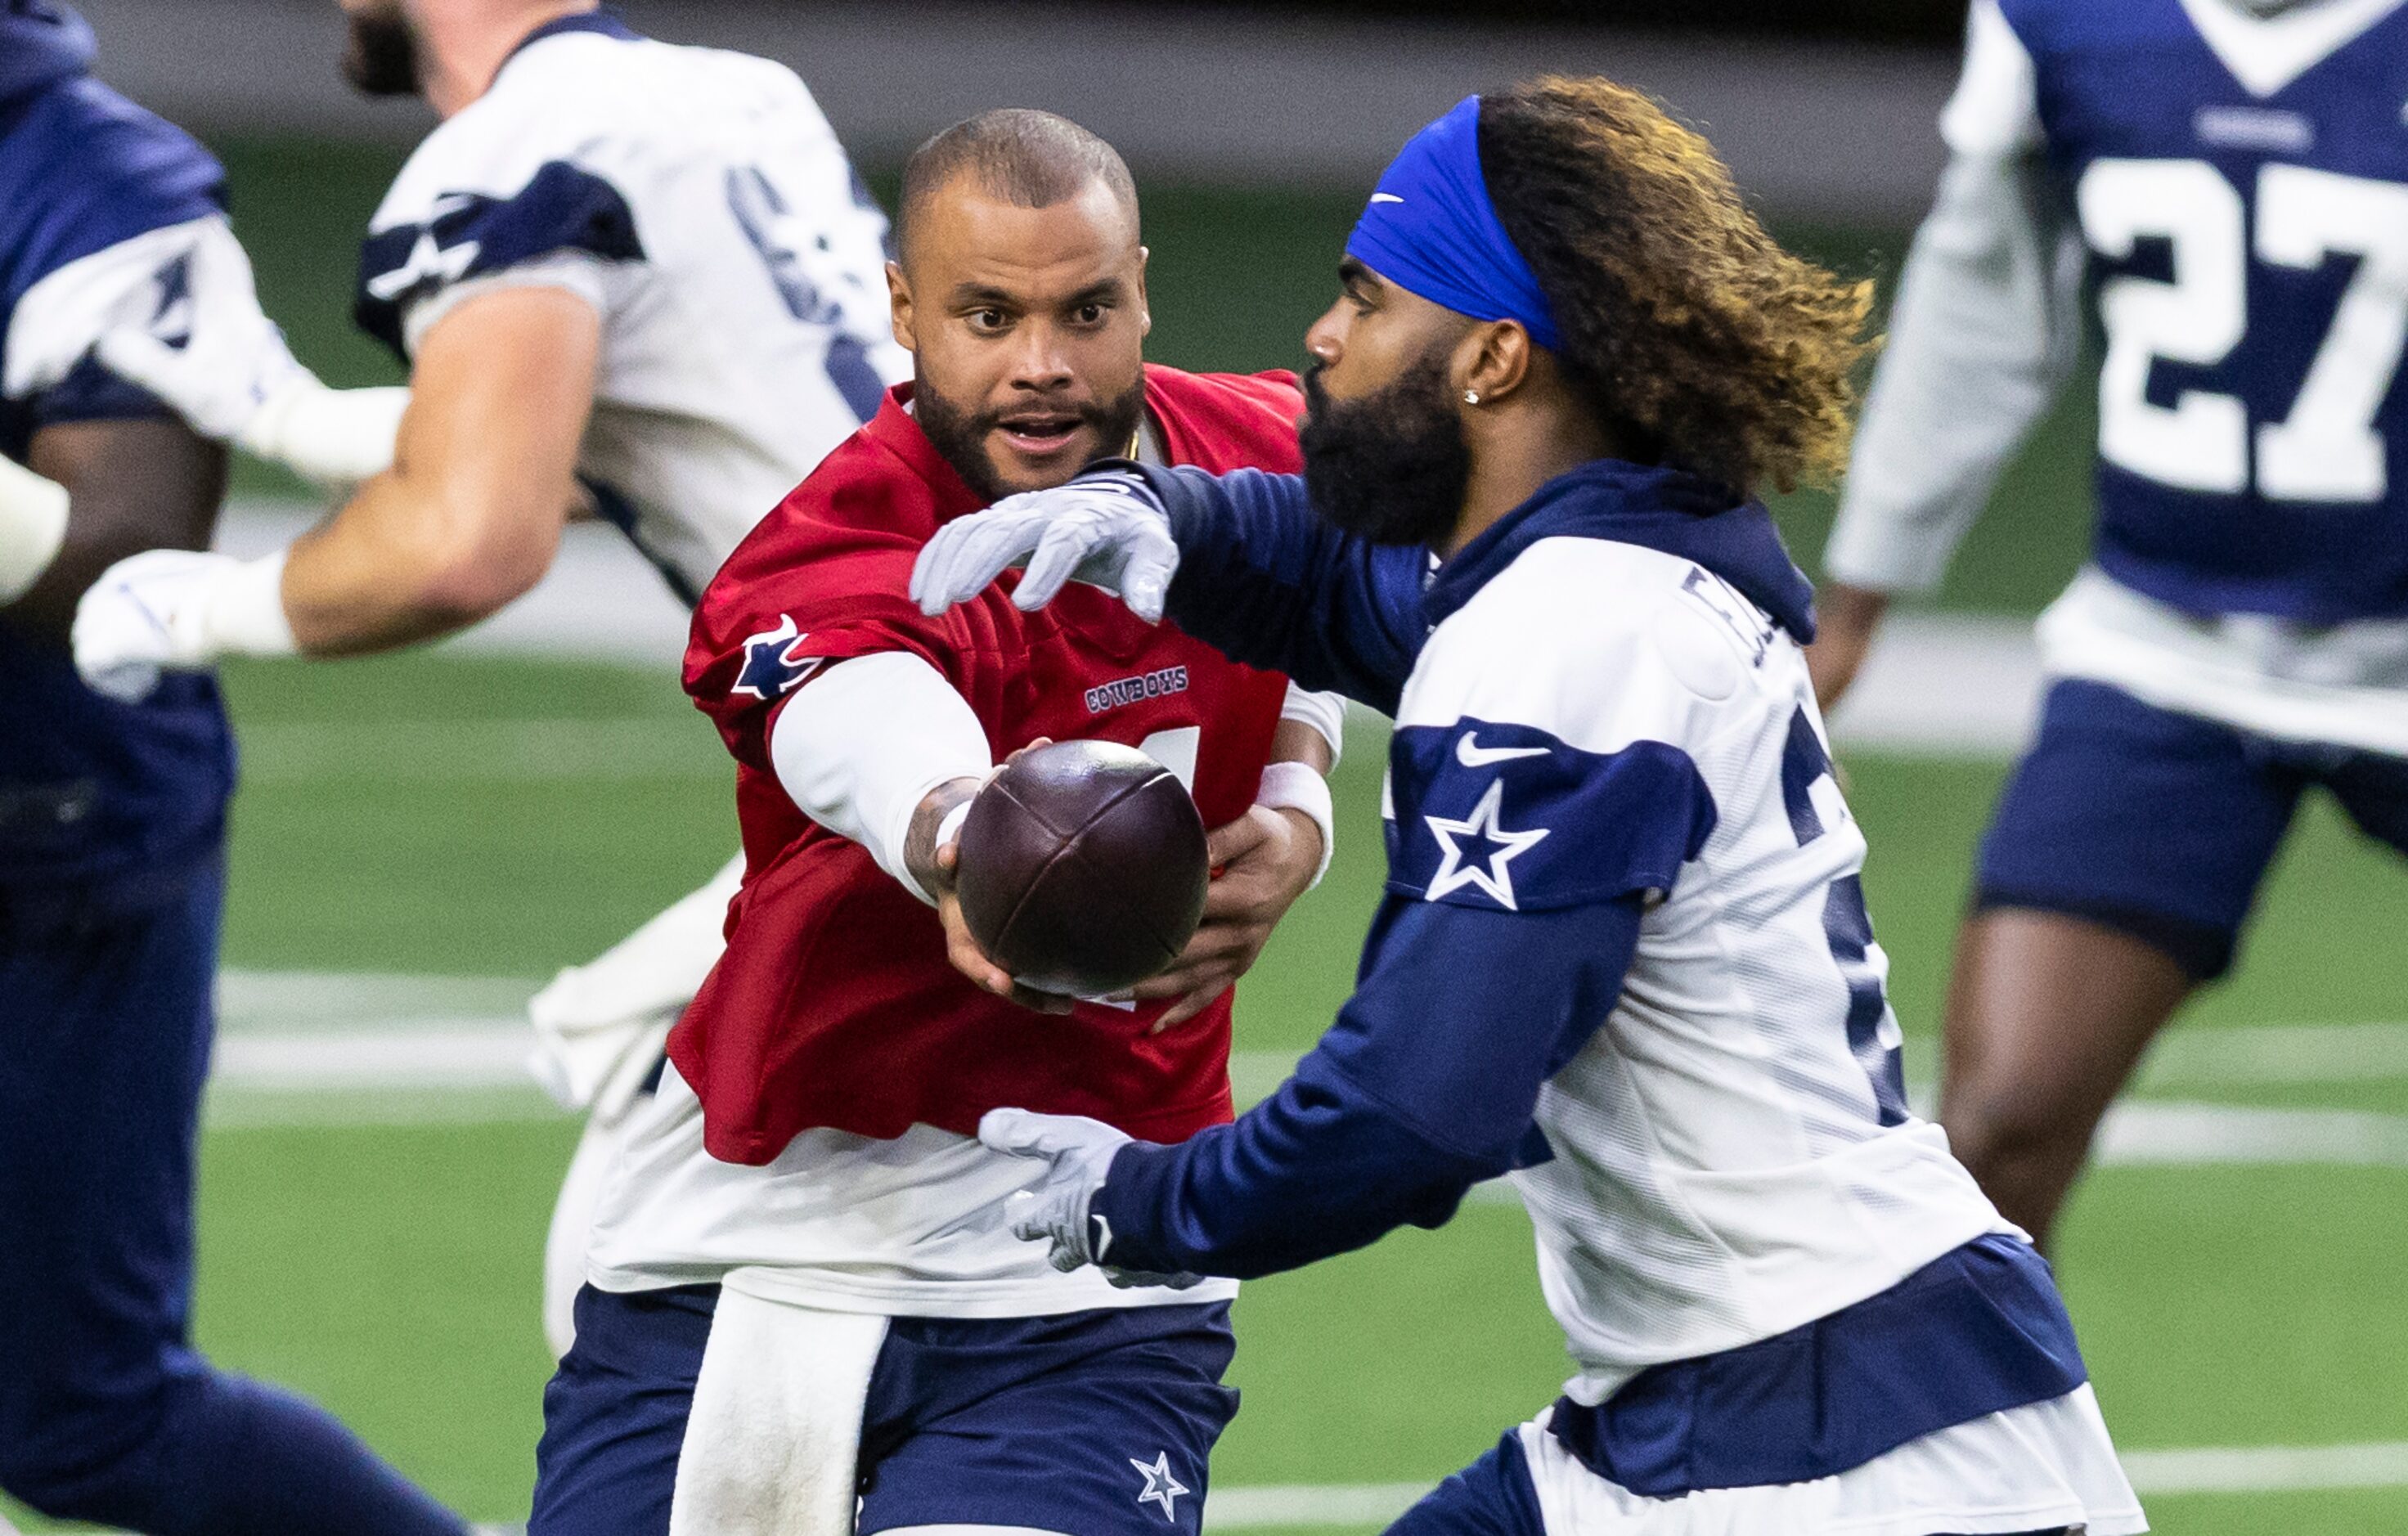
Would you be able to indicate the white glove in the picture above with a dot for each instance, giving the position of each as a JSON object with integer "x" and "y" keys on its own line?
{"x": 1056, "y": 1212}
{"x": 1107, "y": 529}
{"x": 173, "y": 608}
{"x": 235, "y": 380}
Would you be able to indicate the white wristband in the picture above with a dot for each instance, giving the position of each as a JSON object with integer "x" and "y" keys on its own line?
{"x": 32, "y": 527}
{"x": 1325, "y": 713}
{"x": 949, "y": 829}
{"x": 331, "y": 437}
{"x": 243, "y": 613}
{"x": 1294, "y": 786}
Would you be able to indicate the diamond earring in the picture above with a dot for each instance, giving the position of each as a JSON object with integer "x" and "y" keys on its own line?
{"x": 1471, "y": 396}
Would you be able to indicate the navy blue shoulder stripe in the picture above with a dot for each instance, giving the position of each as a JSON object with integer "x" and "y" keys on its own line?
{"x": 1503, "y": 815}
{"x": 562, "y": 207}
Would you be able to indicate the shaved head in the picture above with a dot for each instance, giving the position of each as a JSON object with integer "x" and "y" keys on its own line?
{"x": 1016, "y": 155}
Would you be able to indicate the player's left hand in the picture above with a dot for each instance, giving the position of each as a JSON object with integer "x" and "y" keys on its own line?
{"x": 168, "y": 610}
{"x": 1056, "y": 1212}
{"x": 1268, "y": 857}
{"x": 234, "y": 362}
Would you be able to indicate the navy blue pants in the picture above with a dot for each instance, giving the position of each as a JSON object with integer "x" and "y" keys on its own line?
{"x": 1093, "y": 1423}
{"x": 2161, "y": 825}
{"x": 107, "y": 1414}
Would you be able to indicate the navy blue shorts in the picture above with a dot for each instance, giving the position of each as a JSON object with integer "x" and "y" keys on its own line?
{"x": 2161, "y": 825}
{"x": 1091, "y": 1423}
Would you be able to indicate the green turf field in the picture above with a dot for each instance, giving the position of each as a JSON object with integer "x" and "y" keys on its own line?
{"x": 387, "y": 1260}
{"x": 392, "y": 1268}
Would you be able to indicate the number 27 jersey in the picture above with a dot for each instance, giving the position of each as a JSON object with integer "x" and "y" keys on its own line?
{"x": 2241, "y": 185}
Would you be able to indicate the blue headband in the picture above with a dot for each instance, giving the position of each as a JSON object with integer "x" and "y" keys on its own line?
{"x": 1431, "y": 230}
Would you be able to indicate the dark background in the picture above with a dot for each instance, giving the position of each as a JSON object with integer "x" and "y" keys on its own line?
{"x": 1937, "y": 22}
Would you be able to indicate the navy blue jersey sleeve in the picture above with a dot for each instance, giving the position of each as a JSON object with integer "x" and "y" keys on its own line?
{"x": 1267, "y": 583}
{"x": 1424, "y": 1086}
{"x": 83, "y": 170}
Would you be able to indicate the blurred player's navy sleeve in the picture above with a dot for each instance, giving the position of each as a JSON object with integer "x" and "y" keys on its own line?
{"x": 1267, "y": 583}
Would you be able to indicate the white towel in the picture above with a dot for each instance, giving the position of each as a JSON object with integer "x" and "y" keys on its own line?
{"x": 773, "y": 1440}
{"x": 599, "y": 1026}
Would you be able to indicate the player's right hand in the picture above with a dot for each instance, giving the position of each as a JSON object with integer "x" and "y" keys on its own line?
{"x": 1106, "y": 528}
{"x": 1845, "y": 619}
{"x": 938, "y": 870}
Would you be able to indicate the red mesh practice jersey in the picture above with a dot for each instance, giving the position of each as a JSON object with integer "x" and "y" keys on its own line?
{"x": 834, "y": 1004}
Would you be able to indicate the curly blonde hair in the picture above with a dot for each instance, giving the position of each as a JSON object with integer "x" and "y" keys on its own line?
{"x": 1681, "y": 318}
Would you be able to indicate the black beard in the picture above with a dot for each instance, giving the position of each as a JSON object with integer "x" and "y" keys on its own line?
{"x": 959, "y": 437}
{"x": 1392, "y": 467}
{"x": 382, "y": 58}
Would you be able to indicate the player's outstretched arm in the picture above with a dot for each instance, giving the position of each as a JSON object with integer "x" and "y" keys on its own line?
{"x": 467, "y": 519}
{"x": 1424, "y": 1087}
{"x": 233, "y": 378}
{"x": 1240, "y": 561}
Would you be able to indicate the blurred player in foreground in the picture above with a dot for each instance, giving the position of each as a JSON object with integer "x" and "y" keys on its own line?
{"x": 636, "y": 278}
{"x": 802, "y": 1292}
{"x": 112, "y": 832}
{"x": 2238, "y": 173}
{"x": 1623, "y": 952}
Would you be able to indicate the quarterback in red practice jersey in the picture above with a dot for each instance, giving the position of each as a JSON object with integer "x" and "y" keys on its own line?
{"x": 801, "y": 1292}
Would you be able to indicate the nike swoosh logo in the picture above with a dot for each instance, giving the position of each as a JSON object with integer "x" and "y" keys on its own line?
{"x": 1385, "y": 197}
{"x": 1472, "y": 756}
{"x": 1103, "y": 1244}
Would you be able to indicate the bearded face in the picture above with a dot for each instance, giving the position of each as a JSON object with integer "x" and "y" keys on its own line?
{"x": 381, "y": 57}
{"x": 1392, "y": 466}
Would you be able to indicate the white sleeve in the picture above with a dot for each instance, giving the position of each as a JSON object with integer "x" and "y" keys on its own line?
{"x": 862, "y": 745}
{"x": 1983, "y": 333}
{"x": 32, "y": 527}
{"x": 1324, "y": 713}
{"x": 570, "y": 271}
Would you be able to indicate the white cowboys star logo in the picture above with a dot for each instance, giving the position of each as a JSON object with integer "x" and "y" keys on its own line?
{"x": 771, "y": 669}
{"x": 1160, "y": 1486}
{"x": 1487, "y": 871}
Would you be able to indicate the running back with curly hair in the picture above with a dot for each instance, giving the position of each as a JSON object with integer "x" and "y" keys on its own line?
{"x": 1682, "y": 320}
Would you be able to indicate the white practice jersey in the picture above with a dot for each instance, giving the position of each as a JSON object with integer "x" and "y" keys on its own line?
{"x": 1733, "y": 1156}
{"x": 700, "y": 201}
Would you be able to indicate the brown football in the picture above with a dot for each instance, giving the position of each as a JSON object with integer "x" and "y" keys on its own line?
{"x": 1082, "y": 868}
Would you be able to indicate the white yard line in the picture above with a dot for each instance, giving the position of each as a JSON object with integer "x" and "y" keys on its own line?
{"x": 1310, "y": 1504}
{"x": 303, "y": 1047}
{"x": 490, "y": 750}
{"x": 2221, "y": 1470}
{"x": 2268, "y": 1469}
{"x": 2274, "y": 1054}
{"x": 2212, "y": 1469}
{"x": 2226, "y": 1469}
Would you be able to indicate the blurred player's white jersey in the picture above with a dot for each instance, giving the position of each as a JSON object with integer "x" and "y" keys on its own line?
{"x": 700, "y": 201}
{"x": 1733, "y": 1153}
{"x": 701, "y": 204}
